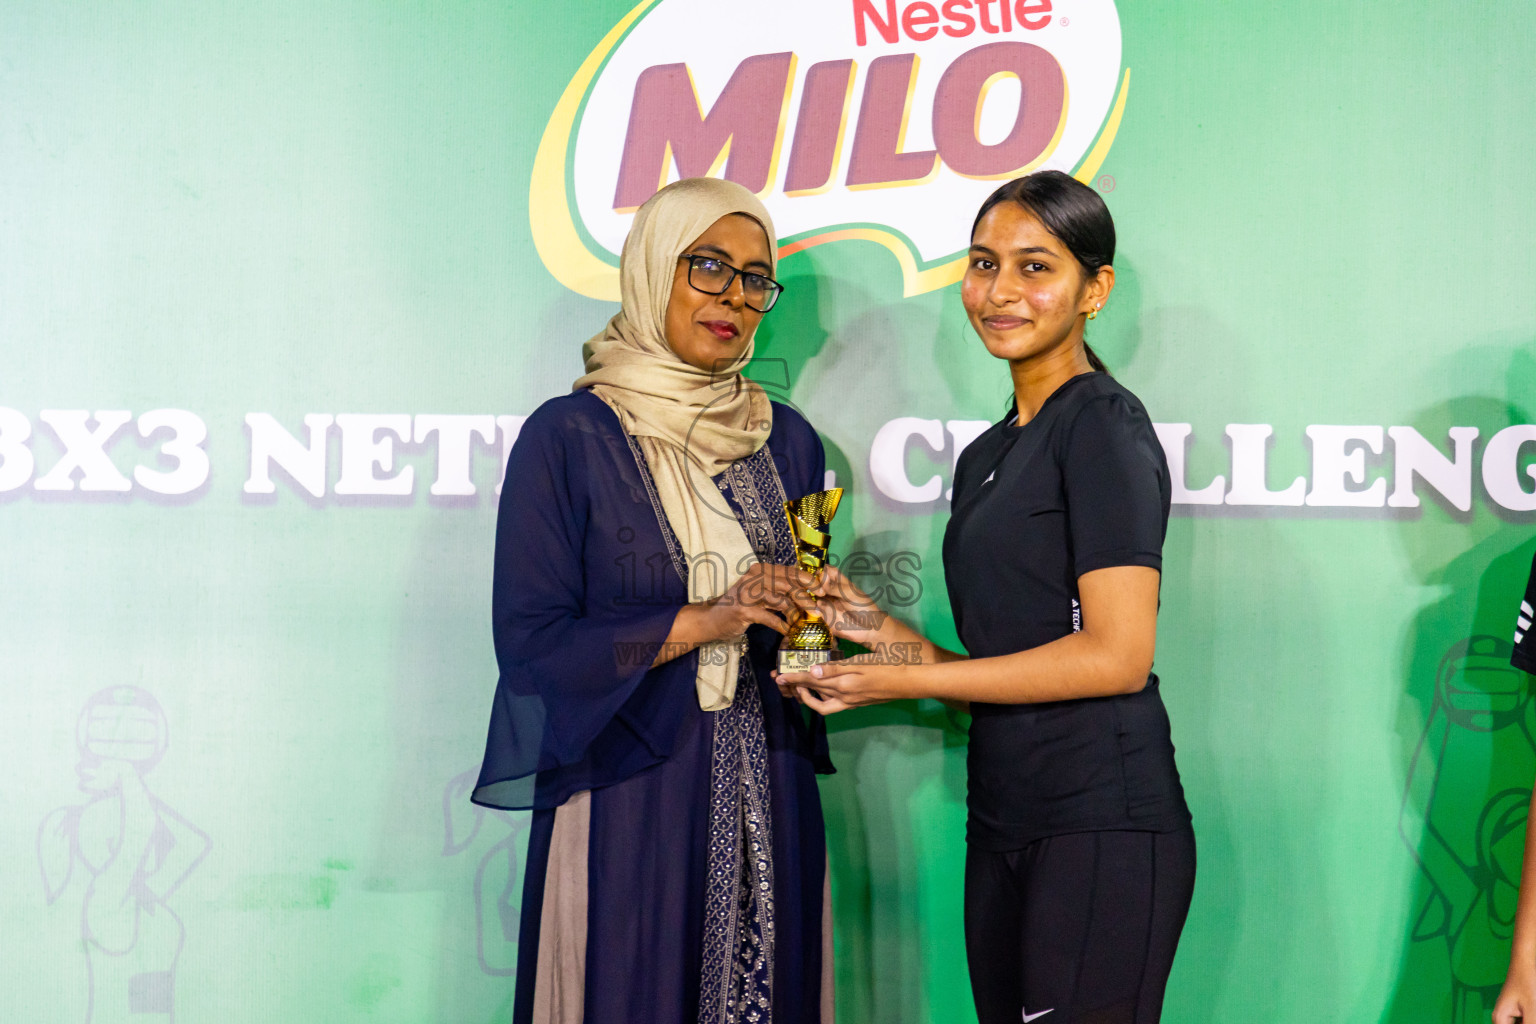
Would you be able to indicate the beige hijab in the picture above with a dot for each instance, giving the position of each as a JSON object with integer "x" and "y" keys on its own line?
{"x": 690, "y": 423}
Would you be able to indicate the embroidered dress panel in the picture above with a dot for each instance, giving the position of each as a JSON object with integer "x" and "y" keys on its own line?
{"x": 674, "y": 549}
{"x": 738, "y": 954}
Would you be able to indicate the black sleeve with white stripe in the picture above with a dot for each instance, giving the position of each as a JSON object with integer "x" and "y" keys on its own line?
{"x": 1524, "y": 656}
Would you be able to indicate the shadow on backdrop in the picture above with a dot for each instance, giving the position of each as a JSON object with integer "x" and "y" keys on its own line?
{"x": 1468, "y": 728}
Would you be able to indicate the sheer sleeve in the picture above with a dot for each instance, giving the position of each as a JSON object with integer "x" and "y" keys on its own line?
{"x": 570, "y": 660}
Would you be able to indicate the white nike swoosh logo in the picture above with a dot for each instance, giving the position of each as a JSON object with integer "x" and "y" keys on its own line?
{"x": 1031, "y": 1016}
{"x": 987, "y": 481}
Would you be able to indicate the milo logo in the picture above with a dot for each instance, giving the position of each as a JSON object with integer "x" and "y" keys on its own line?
{"x": 884, "y": 120}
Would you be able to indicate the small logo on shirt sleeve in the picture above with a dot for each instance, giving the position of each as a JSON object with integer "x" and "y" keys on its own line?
{"x": 1077, "y": 616}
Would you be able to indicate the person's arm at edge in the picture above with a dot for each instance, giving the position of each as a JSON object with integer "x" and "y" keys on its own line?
{"x": 1517, "y": 999}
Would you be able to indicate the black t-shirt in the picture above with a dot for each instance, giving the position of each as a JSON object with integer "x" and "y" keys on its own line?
{"x": 1082, "y": 486}
{"x": 1524, "y": 656}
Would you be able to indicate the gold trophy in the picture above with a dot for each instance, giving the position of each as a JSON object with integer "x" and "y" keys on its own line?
{"x": 809, "y": 642}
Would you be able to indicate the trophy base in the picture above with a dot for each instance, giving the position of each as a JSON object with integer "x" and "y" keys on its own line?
{"x": 801, "y": 659}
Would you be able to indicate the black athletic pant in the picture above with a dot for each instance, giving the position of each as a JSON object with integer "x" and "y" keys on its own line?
{"x": 1077, "y": 929}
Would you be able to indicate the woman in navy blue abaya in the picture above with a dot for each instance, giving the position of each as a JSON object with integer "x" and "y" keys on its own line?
{"x": 644, "y": 570}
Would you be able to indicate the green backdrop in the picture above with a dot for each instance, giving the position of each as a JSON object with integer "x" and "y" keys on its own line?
{"x": 239, "y": 726}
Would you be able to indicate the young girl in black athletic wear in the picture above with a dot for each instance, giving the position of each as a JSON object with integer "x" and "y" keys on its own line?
{"x": 1081, "y": 859}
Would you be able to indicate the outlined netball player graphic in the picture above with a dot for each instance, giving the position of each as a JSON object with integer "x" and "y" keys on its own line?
{"x": 128, "y": 852}
{"x": 1464, "y": 814}
{"x": 498, "y": 879}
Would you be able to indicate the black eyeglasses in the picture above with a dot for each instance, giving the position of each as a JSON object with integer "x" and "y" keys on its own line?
{"x": 713, "y": 276}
